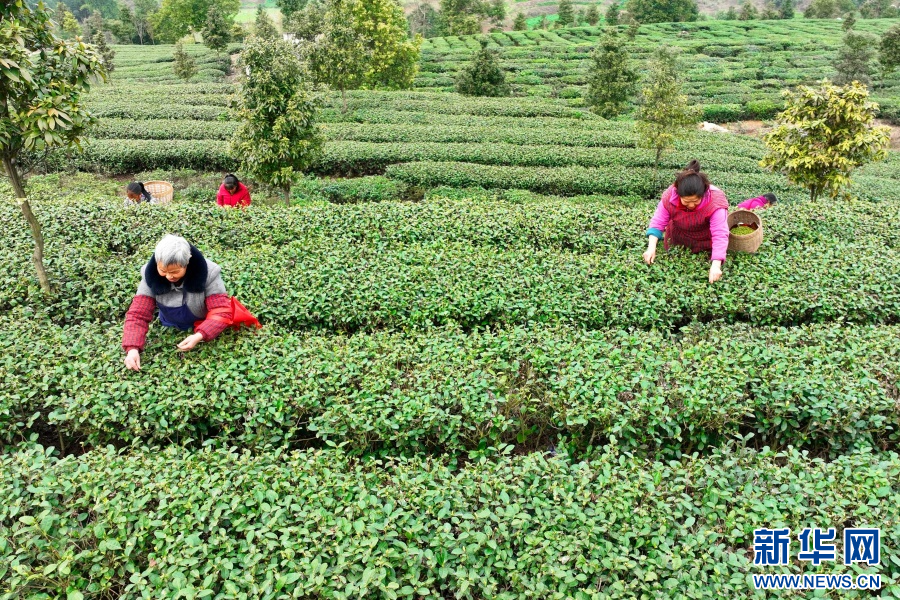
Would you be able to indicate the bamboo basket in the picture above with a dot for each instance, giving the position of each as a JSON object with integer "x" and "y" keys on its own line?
{"x": 749, "y": 242}
{"x": 161, "y": 190}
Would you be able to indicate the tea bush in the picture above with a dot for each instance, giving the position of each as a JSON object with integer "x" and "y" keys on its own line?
{"x": 825, "y": 387}
{"x": 218, "y": 523}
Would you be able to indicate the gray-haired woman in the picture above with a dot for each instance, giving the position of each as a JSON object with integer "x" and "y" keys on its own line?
{"x": 186, "y": 288}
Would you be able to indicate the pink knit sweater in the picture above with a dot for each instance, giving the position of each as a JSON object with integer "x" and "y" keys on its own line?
{"x": 718, "y": 222}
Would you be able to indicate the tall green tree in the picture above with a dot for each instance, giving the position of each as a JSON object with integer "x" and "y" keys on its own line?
{"x": 277, "y": 139}
{"x": 464, "y": 17}
{"x": 217, "y": 31}
{"x": 106, "y": 53}
{"x": 785, "y": 8}
{"x": 42, "y": 107}
{"x": 520, "y": 23}
{"x": 889, "y": 49}
{"x": 566, "y": 15}
{"x": 664, "y": 113}
{"x": 592, "y": 15}
{"x": 748, "y": 11}
{"x": 184, "y": 64}
{"x": 308, "y": 23}
{"x": 821, "y": 9}
{"x": 849, "y": 21}
{"x": 144, "y": 13}
{"x": 611, "y": 80}
{"x": 263, "y": 27}
{"x": 612, "y": 14}
{"x": 177, "y": 18}
{"x": 424, "y": 20}
{"x": 824, "y": 133}
{"x": 854, "y": 59}
{"x": 364, "y": 43}
{"x": 662, "y": 11}
{"x": 289, "y": 8}
{"x": 483, "y": 76}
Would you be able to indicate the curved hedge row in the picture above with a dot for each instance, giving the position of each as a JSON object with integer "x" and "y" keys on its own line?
{"x": 162, "y": 129}
{"x": 828, "y": 388}
{"x": 319, "y": 524}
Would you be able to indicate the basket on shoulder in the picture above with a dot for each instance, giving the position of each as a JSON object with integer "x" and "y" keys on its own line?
{"x": 163, "y": 191}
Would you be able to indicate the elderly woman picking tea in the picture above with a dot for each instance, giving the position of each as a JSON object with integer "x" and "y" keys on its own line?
{"x": 186, "y": 288}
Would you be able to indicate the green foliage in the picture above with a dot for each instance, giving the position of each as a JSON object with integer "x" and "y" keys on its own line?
{"x": 822, "y": 9}
{"x": 592, "y": 15}
{"x": 307, "y": 23}
{"x": 742, "y": 230}
{"x": 289, "y": 8}
{"x": 184, "y": 66}
{"x": 424, "y": 20}
{"x": 364, "y": 44}
{"x": 177, "y": 18}
{"x": 483, "y": 76}
{"x": 825, "y": 133}
{"x": 611, "y": 81}
{"x": 889, "y": 49}
{"x": 748, "y": 12}
{"x": 786, "y": 8}
{"x": 854, "y": 60}
{"x": 263, "y": 27}
{"x": 662, "y": 11}
{"x": 849, "y": 21}
{"x": 277, "y": 139}
{"x": 106, "y": 53}
{"x": 323, "y": 523}
{"x": 664, "y": 113}
{"x": 464, "y": 17}
{"x": 520, "y": 23}
{"x": 566, "y": 14}
{"x": 217, "y": 30}
{"x": 612, "y": 14}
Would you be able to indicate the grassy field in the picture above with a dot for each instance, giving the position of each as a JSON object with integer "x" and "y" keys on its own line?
{"x": 468, "y": 384}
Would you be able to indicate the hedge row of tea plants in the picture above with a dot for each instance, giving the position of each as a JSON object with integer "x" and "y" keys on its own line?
{"x": 827, "y": 388}
{"x": 220, "y": 524}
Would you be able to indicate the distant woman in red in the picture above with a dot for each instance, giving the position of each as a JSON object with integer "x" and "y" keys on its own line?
{"x": 233, "y": 192}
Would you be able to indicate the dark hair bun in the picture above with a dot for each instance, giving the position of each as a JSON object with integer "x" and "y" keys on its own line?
{"x": 694, "y": 166}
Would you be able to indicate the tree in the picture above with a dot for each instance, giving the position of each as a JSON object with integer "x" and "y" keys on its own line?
{"x": 308, "y": 23}
{"x": 41, "y": 100}
{"x": 544, "y": 23}
{"x": 592, "y": 15}
{"x": 289, "y": 8}
{"x": 612, "y": 14}
{"x": 853, "y": 62}
{"x": 496, "y": 12}
{"x": 565, "y": 16}
{"x": 748, "y": 11}
{"x": 424, "y": 20}
{"x": 520, "y": 23}
{"x": 123, "y": 28}
{"x": 730, "y": 15}
{"x": 611, "y": 81}
{"x": 264, "y": 27}
{"x": 464, "y": 17}
{"x": 821, "y": 9}
{"x": 106, "y": 53}
{"x": 823, "y": 134}
{"x": 786, "y": 9}
{"x": 632, "y": 31}
{"x": 483, "y": 76}
{"x": 889, "y": 49}
{"x": 277, "y": 139}
{"x": 849, "y": 21}
{"x": 662, "y": 11}
{"x": 93, "y": 24}
{"x": 67, "y": 25}
{"x": 177, "y": 18}
{"x": 184, "y": 66}
{"x": 364, "y": 43}
{"x": 217, "y": 31}
{"x": 770, "y": 12}
{"x": 144, "y": 13}
{"x": 664, "y": 113}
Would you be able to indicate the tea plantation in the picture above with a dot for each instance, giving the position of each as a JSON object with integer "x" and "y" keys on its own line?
{"x": 468, "y": 384}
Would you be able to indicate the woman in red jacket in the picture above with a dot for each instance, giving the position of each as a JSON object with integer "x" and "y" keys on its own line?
{"x": 233, "y": 192}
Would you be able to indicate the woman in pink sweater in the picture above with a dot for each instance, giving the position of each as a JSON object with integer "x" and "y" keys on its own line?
{"x": 233, "y": 192}
{"x": 692, "y": 213}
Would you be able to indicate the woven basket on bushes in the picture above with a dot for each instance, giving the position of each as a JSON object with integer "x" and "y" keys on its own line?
{"x": 749, "y": 242}
{"x": 161, "y": 190}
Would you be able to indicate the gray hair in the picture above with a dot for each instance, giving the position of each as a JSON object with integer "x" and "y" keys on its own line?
{"x": 173, "y": 250}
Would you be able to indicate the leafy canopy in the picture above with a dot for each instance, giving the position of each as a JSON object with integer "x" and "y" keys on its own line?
{"x": 663, "y": 11}
{"x": 483, "y": 76}
{"x": 823, "y": 134}
{"x": 177, "y": 18}
{"x": 611, "y": 81}
{"x": 277, "y": 138}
